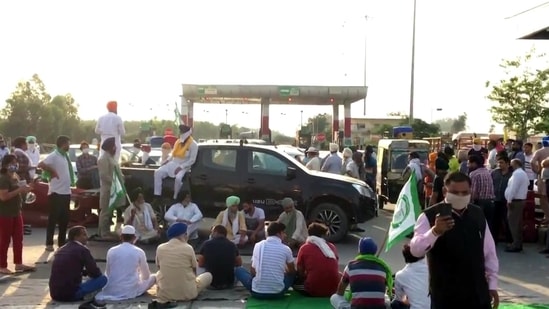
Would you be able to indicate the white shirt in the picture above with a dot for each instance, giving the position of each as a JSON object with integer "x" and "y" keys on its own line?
{"x": 269, "y": 260}
{"x": 313, "y": 164}
{"x": 34, "y": 155}
{"x": 413, "y": 282}
{"x": 62, "y": 183}
{"x": 528, "y": 167}
{"x": 492, "y": 158}
{"x": 517, "y": 187}
{"x": 178, "y": 211}
{"x": 126, "y": 269}
{"x": 110, "y": 125}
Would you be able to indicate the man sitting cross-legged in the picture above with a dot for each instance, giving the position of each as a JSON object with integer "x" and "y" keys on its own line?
{"x": 127, "y": 270}
{"x": 219, "y": 256}
{"x": 70, "y": 263}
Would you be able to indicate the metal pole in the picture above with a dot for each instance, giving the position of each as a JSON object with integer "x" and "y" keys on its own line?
{"x": 301, "y": 120}
{"x": 226, "y": 115}
{"x": 365, "y": 62}
{"x": 411, "y": 115}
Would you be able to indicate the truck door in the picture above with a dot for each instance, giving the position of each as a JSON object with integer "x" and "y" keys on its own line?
{"x": 266, "y": 183}
{"x": 215, "y": 177}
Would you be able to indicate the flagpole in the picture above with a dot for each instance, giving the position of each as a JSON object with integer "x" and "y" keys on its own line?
{"x": 382, "y": 247}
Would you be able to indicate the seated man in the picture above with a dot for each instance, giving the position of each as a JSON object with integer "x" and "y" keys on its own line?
{"x": 141, "y": 216}
{"x": 255, "y": 222}
{"x": 176, "y": 279}
{"x": 273, "y": 268}
{"x": 366, "y": 291}
{"x": 412, "y": 283}
{"x": 296, "y": 227}
{"x": 219, "y": 256}
{"x": 233, "y": 220}
{"x": 317, "y": 264}
{"x": 182, "y": 158}
{"x": 127, "y": 270}
{"x": 70, "y": 263}
{"x": 185, "y": 211}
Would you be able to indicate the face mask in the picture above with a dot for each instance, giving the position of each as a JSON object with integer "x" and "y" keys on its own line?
{"x": 85, "y": 150}
{"x": 186, "y": 135}
{"x": 13, "y": 167}
{"x": 458, "y": 202}
{"x": 477, "y": 147}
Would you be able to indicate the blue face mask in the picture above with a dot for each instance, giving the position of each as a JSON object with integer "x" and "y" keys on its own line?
{"x": 13, "y": 167}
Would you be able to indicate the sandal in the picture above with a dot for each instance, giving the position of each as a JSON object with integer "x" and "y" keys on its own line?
{"x": 24, "y": 268}
{"x": 5, "y": 271}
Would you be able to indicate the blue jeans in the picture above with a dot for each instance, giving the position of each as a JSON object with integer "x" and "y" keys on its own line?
{"x": 245, "y": 277}
{"x": 89, "y": 286}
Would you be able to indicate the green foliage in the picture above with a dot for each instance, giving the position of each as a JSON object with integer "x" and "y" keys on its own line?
{"x": 521, "y": 98}
{"x": 453, "y": 125}
{"x": 382, "y": 129}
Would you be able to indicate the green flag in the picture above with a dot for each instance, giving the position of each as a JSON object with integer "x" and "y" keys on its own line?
{"x": 407, "y": 210}
{"x": 177, "y": 121}
{"x": 118, "y": 191}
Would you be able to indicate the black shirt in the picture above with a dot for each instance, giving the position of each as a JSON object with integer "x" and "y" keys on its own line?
{"x": 438, "y": 184}
{"x": 219, "y": 255}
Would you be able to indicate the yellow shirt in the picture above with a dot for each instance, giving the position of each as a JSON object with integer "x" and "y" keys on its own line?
{"x": 176, "y": 279}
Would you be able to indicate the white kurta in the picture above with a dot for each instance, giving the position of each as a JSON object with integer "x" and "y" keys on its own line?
{"x": 111, "y": 125}
{"x": 128, "y": 273}
{"x": 168, "y": 170}
{"x": 34, "y": 156}
{"x": 190, "y": 213}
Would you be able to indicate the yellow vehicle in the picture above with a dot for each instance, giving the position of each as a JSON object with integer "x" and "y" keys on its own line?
{"x": 392, "y": 159}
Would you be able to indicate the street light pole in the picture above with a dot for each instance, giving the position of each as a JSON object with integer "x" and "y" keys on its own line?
{"x": 365, "y": 62}
{"x": 301, "y": 121}
{"x": 226, "y": 116}
{"x": 411, "y": 115}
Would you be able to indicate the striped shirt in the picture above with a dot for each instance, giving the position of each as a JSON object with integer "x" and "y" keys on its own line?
{"x": 269, "y": 260}
{"x": 367, "y": 280}
{"x": 482, "y": 185}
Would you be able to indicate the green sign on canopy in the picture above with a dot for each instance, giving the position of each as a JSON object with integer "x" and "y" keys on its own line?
{"x": 288, "y": 91}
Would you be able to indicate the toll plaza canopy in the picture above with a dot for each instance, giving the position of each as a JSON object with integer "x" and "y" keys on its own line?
{"x": 272, "y": 94}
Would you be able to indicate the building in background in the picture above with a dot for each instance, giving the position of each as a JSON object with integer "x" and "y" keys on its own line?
{"x": 370, "y": 130}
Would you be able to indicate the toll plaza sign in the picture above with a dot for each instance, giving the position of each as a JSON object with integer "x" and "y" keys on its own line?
{"x": 207, "y": 90}
{"x": 287, "y": 91}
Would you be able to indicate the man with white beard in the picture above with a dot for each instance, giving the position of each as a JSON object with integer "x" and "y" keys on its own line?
{"x": 182, "y": 158}
{"x": 111, "y": 125}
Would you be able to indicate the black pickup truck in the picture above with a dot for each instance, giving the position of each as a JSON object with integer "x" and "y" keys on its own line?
{"x": 265, "y": 175}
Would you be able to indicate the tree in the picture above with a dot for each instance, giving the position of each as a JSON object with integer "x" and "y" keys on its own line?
{"x": 382, "y": 129}
{"x": 321, "y": 123}
{"x": 521, "y": 98}
{"x": 459, "y": 124}
{"x": 422, "y": 129}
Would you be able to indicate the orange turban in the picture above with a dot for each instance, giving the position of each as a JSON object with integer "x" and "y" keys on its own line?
{"x": 112, "y": 106}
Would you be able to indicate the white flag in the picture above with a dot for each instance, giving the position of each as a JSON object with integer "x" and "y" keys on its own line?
{"x": 407, "y": 210}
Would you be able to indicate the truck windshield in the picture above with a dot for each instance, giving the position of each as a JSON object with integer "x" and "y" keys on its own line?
{"x": 399, "y": 158}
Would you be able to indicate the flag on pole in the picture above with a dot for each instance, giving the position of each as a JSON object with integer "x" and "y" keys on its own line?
{"x": 177, "y": 115}
{"x": 118, "y": 191}
{"x": 407, "y": 210}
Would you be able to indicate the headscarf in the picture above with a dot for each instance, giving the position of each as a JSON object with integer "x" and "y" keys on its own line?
{"x": 545, "y": 141}
{"x": 31, "y": 139}
{"x": 367, "y": 245}
{"x": 112, "y": 106}
{"x": 108, "y": 144}
{"x": 176, "y": 230}
{"x": 334, "y": 147}
{"x": 232, "y": 200}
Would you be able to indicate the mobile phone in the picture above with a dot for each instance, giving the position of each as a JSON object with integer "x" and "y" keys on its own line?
{"x": 445, "y": 209}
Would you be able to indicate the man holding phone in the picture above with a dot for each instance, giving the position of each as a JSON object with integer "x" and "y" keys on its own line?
{"x": 463, "y": 264}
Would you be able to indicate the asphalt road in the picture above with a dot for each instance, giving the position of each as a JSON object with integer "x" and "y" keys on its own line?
{"x": 524, "y": 277}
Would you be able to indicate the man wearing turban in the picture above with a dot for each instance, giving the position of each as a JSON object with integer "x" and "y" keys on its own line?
{"x": 182, "y": 158}
{"x": 111, "y": 125}
{"x": 234, "y": 221}
{"x": 106, "y": 166}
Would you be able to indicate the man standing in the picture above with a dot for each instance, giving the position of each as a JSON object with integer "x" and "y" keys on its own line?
{"x": 255, "y": 221}
{"x": 516, "y": 151}
{"x": 3, "y": 149}
{"x": 313, "y": 162}
{"x": 107, "y": 166}
{"x": 70, "y": 263}
{"x": 233, "y": 220}
{"x": 127, "y": 270}
{"x": 492, "y": 161}
{"x": 477, "y": 149}
{"x": 182, "y": 158}
{"x": 460, "y": 246}
{"x": 185, "y": 211}
{"x": 515, "y": 194}
{"x": 34, "y": 154}
{"x": 219, "y": 256}
{"x": 482, "y": 188}
{"x": 528, "y": 155}
{"x": 500, "y": 178}
{"x": 25, "y": 163}
{"x": 332, "y": 164}
{"x": 58, "y": 170}
{"x": 539, "y": 156}
{"x": 294, "y": 222}
{"x": 111, "y": 125}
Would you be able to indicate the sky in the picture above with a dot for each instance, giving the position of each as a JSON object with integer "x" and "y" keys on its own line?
{"x": 140, "y": 52}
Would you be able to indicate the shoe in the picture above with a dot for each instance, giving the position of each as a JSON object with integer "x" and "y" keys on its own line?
{"x": 544, "y": 251}
{"x": 92, "y": 304}
{"x": 513, "y": 250}
{"x": 49, "y": 248}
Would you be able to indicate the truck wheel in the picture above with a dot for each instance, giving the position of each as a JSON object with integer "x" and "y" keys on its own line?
{"x": 334, "y": 218}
